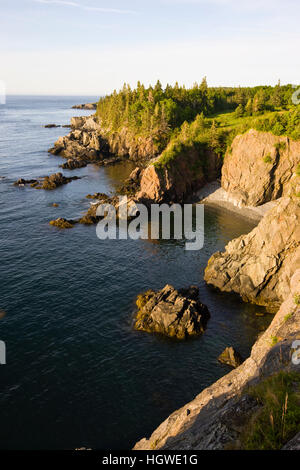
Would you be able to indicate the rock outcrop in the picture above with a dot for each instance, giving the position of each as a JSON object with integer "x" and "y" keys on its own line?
{"x": 84, "y": 142}
{"x": 180, "y": 178}
{"x": 47, "y": 182}
{"x": 55, "y": 180}
{"x": 73, "y": 164}
{"x": 258, "y": 266}
{"x": 261, "y": 167}
{"x": 51, "y": 126}
{"x": 216, "y": 417}
{"x": 174, "y": 313}
{"x": 230, "y": 357}
{"x": 90, "y": 142}
{"x": 63, "y": 223}
{"x": 87, "y": 106}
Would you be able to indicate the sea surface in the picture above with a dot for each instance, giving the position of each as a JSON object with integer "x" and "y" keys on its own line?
{"x": 77, "y": 374}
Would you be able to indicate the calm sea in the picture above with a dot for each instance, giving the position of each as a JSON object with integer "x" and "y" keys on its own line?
{"x": 77, "y": 374}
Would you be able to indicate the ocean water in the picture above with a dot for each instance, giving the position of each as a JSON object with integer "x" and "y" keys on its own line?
{"x": 77, "y": 374}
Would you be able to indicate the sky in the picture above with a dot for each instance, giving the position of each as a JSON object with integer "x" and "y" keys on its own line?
{"x": 91, "y": 47}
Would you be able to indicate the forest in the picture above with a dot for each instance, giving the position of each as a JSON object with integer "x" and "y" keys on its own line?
{"x": 176, "y": 117}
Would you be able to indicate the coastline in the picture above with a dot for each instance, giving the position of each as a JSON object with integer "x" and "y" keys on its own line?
{"x": 212, "y": 194}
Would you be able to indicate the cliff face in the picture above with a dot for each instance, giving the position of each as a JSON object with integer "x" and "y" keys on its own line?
{"x": 261, "y": 167}
{"x": 88, "y": 141}
{"x": 216, "y": 417}
{"x": 258, "y": 266}
{"x": 188, "y": 173}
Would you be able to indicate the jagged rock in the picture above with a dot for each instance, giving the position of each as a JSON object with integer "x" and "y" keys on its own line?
{"x": 261, "y": 167}
{"x": 22, "y": 182}
{"x": 48, "y": 182}
{"x": 88, "y": 106}
{"x": 73, "y": 164}
{"x": 215, "y": 418}
{"x": 174, "y": 313}
{"x": 50, "y": 126}
{"x": 100, "y": 196}
{"x": 293, "y": 444}
{"x": 230, "y": 357}
{"x": 132, "y": 184}
{"x": 84, "y": 142}
{"x": 258, "y": 266}
{"x": 181, "y": 178}
{"x": 90, "y": 142}
{"x": 55, "y": 180}
{"x": 62, "y": 223}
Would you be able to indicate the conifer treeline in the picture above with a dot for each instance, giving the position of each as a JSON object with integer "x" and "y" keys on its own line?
{"x": 156, "y": 111}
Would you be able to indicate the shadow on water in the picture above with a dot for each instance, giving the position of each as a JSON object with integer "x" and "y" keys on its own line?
{"x": 77, "y": 374}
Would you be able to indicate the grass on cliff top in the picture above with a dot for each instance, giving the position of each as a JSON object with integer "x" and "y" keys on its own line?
{"x": 217, "y": 132}
{"x": 278, "y": 419}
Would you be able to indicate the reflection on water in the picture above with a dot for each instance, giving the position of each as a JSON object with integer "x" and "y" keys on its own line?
{"x": 77, "y": 374}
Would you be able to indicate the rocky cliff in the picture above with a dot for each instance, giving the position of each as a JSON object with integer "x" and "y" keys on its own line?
{"x": 89, "y": 141}
{"x": 218, "y": 416}
{"x": 260, "y": 167}
{"x": 258, "y": 266}
{"x": 180, "y": 178}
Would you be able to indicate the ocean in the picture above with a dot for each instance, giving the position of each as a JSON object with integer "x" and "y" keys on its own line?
{"x": 77, "y": 374}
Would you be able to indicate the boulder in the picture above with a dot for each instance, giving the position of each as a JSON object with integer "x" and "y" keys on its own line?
{"x": 87, "y": 106}
{"x": 62, "y": 223}
{"x": 73, "y": 164}
{"x": 258, "y": 266}
{"x": 230, "y": 357}
{"x": 174, "y": 313}
{"x": 55, "y": 180}
{"x": 22, "y": 182}
{"x": 216, "y": 418}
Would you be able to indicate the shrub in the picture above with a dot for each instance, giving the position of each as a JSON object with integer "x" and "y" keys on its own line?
{"x": 278, "y": 417}
{"x": 267, "y": 158}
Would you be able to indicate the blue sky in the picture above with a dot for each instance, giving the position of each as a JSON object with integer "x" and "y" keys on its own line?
{"x": 93, "y": 46}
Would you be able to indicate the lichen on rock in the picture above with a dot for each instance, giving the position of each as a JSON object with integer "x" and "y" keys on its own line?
{"x": 174, "y": 313}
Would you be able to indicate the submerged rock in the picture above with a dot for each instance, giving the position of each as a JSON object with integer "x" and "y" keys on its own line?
{"x": 174, "y": 313}
{"x": 55, "y": 180}
{"x": 258, "y": 266}
{"x": 48, "y": 182}
{"x": 22, "y": 182}
{"x": 230, "y": 357}
{"x": 73, "y": 164}
{"x": 88, "y": 106}
{"x": 50, "y": 126}
{"x": 62, "y": 223}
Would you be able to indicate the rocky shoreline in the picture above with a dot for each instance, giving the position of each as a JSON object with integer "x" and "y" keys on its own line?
{"x": 259, "y": 180}
{"x": 217, "y": 418}
{"x": 263, "y": 267}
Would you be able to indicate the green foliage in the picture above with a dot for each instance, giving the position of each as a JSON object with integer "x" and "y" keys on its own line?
{"x": 267, "y": 158}
{"x": 297, "y": 299}
{"x": 274, "y": 340}
{"x": 278, "y": 418}
{"x": 176, "y": 118}
{"x": 298, "y": 170}
{"x": 288, "y": 316}
{"x": 280, "y": 146}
